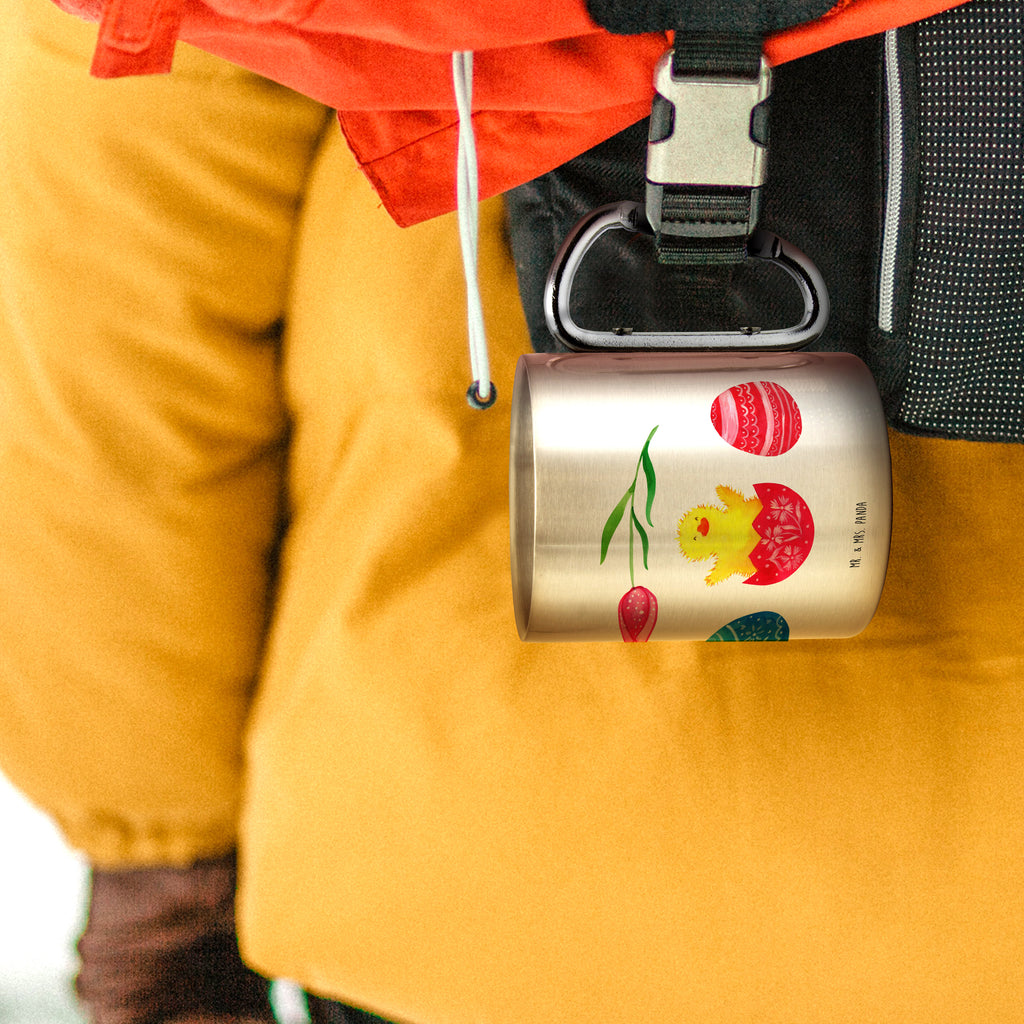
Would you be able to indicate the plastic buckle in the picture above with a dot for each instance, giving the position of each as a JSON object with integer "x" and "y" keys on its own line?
{"x": 627, "y": 216}
{"x": 705, "y": 132}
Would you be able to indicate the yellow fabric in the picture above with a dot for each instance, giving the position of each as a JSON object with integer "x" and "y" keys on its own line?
{"x": 440, "y": 822}
{"x": 145, "y": 236}
{"x": 453, "y": 827}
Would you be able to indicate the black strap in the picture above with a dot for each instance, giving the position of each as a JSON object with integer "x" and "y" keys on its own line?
{"x": 701, "y": 224}
{"x": 687, "y": 210}
{"x": 716, "y": 54}
{"x": 742, "y": 17}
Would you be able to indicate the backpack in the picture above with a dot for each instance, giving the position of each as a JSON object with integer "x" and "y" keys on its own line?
{"x": 896, "y": 163}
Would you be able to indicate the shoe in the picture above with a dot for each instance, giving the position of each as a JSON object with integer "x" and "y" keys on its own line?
{"x": 159, "y": 946}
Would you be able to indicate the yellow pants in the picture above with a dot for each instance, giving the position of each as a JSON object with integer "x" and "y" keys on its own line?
{"x": 236, "y": 460}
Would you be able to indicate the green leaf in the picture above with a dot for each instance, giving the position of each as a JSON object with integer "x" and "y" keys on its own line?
{"x": 652, "y": 483}
{"x": 613, "y": 523}
{"x": 644, "y": 542}
{"x": 652, "y": 480}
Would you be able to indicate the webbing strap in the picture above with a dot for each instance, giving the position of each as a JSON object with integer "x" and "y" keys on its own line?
{"x": 680, "y": 211}
{"x": 716, "y": 54}
{"x": 700, "y": 222}
{"x": 750, "y": 17}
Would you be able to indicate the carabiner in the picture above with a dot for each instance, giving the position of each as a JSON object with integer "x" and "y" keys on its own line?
{"x": 628, "y": 216}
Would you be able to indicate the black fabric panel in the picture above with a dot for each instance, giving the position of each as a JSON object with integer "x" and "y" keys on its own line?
{"x": 822, "y": 191}
{"x": 889, "y": 347}
{"x": 962, "y": 333}
{"x": 758, "y": 17}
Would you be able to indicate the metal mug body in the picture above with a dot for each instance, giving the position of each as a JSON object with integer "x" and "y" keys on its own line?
{"x": 697, "y": 496}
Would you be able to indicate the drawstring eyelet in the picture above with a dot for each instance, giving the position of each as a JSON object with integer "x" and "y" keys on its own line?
{"x": 474, "y": 399}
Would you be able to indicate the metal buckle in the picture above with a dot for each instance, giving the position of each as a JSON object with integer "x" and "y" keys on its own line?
{"x": 715, "y": 137}
{"x": 630, "y": 217}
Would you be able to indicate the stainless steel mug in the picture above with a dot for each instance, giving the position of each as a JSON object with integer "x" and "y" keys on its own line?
{"x": 685, "y": 495}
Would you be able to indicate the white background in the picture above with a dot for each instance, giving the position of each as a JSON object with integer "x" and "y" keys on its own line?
{"x": 42, "y": 893}
{"x": 43, "y": 887}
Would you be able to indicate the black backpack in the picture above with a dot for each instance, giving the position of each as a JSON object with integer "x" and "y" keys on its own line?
{"x": 896, "y": 163}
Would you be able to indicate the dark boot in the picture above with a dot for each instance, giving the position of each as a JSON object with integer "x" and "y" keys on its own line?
{"x": 159, "y": 946}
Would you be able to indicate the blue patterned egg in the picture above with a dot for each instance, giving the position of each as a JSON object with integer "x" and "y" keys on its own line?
{"x": 758, "y": 626}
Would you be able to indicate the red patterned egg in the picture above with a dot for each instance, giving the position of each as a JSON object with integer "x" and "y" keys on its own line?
{"x": 759, "y": 417}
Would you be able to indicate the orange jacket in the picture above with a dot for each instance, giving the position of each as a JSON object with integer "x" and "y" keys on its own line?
{"x": 549, "y": 83}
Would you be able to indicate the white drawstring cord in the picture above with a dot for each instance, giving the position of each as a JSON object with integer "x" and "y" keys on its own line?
{"x": 482, "y": 393}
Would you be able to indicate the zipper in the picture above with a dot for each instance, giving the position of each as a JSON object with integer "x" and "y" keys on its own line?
{"x": 893, "y": 184}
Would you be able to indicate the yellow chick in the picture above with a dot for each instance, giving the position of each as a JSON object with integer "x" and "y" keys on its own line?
{"x": 725, "y": 534}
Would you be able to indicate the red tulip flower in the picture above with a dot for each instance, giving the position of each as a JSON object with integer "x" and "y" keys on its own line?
{"x": 638, "y": 613}
{"x": 638, "y": 608}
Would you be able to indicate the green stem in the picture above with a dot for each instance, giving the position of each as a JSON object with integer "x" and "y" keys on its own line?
{"x": 632, "y": 581}
{"x": 613, "y": 521}
{"x": 632, "y": 502}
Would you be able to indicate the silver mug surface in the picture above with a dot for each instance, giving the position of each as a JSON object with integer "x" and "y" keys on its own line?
{"x": 697, "y": 496}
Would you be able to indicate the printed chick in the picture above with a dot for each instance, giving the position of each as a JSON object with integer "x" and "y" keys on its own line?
{"x": 725, "y": 534}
